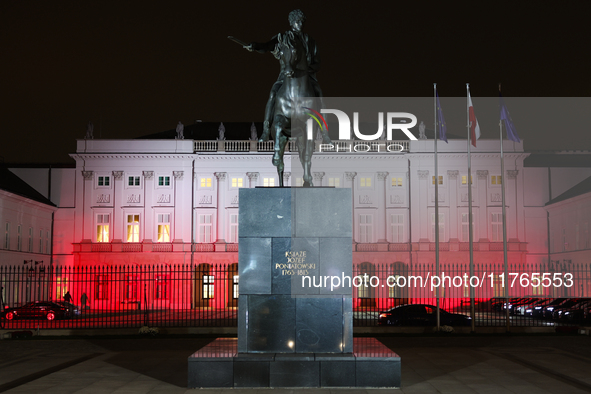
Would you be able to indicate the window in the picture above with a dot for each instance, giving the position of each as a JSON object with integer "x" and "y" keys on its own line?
{"x": 131, "y": 285}
{"x": 104, "y": 181}
{"x": 30, "y": 239}
{"x": 466, "y": 228}
{"x": 163, "y": 181}
{"x": 440, "y": 177}
{"x": 163, "y": 227}
{"x": 336, "y": 182}
{"x": 268, "y": 182}
{"x": 564, "y": 244}
{"x": 61, "y": 287}
{"x": 364, "y": 182}
{"x": 101, "y": 287}
{"x": 441, "y": 227}
{"x": 235, "y": 287}
{"x": 208, "y": 286}
{"x": 365, "y": 228}
{"x": 133, "y": 228}
{"x": 7, "y": 236}
{"x": 397, "y": 182}
{"x": 393, "y": 290}
{"x": 47, "y": 242}
{"x": 233, "y": 228}
{"x": 496, "y": 180}
{"x": 537, "y": 290}
{"x": 102, "y": 228}
{"x": 40, "y": 241}
{"x": 133, "y": 181}
{"x": 465, "y": 180}
{"x": 237, "y": 182}
{"x": 496, "y": 222}
{"x": 204, "y": 229}
{"x": 161, "y": 287}
{"x": 19, "y": 236}
{"x": 577, "y": 237}
{"x": 498, "y": 289}
{"x": 205, "y": 182}
{"x": 586, "y": 235}
{"x": 396, "y": 225}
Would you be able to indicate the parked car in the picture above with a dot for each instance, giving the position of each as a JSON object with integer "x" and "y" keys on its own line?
{"x": 547, "y": 310}
{"x": 520, "y": 307}
{"x": 41, "y": 310}
{"x": 420, "y": 315}
{"x": 536, "y": 308}
{"x": 571, "y": 311}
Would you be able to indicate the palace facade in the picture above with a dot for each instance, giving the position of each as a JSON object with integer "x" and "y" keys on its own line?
{"x": 174, "y": 202}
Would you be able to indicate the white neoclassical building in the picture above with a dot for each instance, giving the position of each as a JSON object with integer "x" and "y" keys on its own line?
{"x": 175, "y": 201}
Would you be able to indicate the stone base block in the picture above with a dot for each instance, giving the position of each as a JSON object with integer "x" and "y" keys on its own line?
{"x": 219, "y": 364}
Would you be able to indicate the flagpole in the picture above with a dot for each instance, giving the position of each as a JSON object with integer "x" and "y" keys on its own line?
{"x": 505, "y": 257}
{"x": 470, "y": 235}
{"x": 436, "y": 204}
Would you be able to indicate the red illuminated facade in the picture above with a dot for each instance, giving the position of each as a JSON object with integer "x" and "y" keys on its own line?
{"x": 153, "y": 205}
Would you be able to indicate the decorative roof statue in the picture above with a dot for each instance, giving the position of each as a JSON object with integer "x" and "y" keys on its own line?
{"x": 221, "y": 132}
{"x": 89, "y": 131}
{"x": 180, "y": 131}
{"x": 253, "y": 132}
{"x": 422, "y": 135}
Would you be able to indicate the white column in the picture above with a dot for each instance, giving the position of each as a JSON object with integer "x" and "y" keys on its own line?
{"x": 350, "y": 182}
{"x": 118, "y": 222}
{"x": 221, "y": 208}
{"x": 514, "y": 203}
{"x": 452, "y": 176}
{"x": 179, "y": 216}
{"x": 318, "y": 178}
{"x": 252, "y": 179}
{"x": 86, "y": 213}
{"x": 382, "y": 221}
{"x": 482, "y": 204}
{"x": 422, "y": 205}
{"x": 149, "y": 225}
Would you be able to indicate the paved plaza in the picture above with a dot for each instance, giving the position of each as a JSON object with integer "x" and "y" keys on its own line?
{"x": 430, "y": 364}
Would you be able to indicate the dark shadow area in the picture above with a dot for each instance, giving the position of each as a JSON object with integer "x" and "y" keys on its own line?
{"x": 164, "y": 359}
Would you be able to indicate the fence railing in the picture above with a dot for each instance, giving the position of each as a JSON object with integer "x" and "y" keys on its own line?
{"x": 196, "y": 295}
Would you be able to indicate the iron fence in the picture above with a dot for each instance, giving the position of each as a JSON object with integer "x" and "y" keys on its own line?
{"x": 206, "y": 295}
{"x": 380, "y": 287}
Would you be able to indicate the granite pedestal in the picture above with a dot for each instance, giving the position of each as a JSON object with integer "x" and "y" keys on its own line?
{"x": 295, "y": 312}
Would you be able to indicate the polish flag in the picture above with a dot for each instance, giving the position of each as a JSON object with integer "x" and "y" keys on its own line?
{"x": 474, "y": 128}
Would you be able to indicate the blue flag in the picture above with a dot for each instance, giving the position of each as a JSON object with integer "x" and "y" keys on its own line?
{"x": 511, "y": 133}
{"x": 441, "y": 127}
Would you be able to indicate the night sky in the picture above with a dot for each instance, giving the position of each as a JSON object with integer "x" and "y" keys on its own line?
{"x": 138, "y": 67}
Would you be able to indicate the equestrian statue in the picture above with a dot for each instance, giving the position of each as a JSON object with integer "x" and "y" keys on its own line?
{"x": 295, "y": 97}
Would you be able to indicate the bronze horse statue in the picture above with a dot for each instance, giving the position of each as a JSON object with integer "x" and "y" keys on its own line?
{"x": 293, "y": 103}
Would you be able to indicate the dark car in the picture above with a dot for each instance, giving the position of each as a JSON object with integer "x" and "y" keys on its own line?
{"x": 520, "y": 307}
{"x": 536, "y": 309}
{"x": 420, "y": 315}
{"x": 547, "y": 310}
{"x": 573, "y": 313}
{"x": 40, "y": 310}
{"x": 558, "y": 310}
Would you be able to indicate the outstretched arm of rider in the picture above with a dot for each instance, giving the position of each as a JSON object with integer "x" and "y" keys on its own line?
{"x": 262, "y": 47}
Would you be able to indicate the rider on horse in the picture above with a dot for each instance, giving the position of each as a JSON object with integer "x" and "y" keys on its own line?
{"x": 296, "y": 21}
